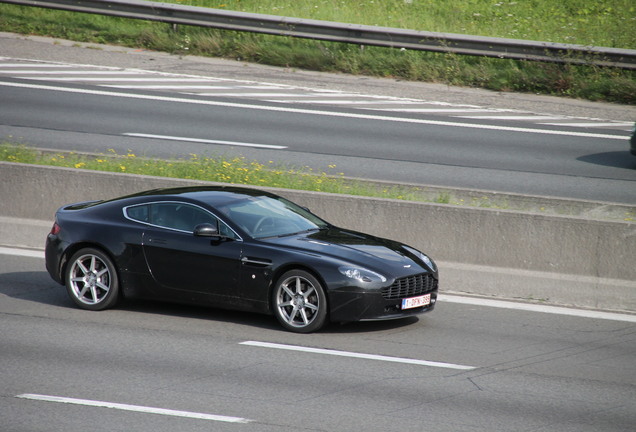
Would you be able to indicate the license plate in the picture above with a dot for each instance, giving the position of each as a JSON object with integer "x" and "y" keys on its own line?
{"x": 413, "y": 302}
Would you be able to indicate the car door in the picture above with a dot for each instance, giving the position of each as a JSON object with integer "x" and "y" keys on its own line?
{"x": 182, "y": 263}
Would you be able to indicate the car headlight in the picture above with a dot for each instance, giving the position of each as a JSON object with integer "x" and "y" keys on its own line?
{"x": 429, "y": 262}
{"x": 361, "y": 274}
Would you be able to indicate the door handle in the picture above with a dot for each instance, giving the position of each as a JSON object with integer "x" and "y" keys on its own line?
{"x": 158, "y": 241}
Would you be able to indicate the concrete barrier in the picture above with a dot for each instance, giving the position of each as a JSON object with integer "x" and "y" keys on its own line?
{"x": 561, "y": 260}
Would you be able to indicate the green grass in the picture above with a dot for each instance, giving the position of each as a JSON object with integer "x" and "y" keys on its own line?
{"x": 586, "y": 22}
{"x": 240, "y": 171}
{"x": 610, "y": 23}
{"x": 237, "y": 170}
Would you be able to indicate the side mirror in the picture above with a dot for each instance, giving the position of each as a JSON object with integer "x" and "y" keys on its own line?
{"x": 206, "y": 230}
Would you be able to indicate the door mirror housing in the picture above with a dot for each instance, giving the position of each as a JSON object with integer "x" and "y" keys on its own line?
{"x": 206, "y": 230}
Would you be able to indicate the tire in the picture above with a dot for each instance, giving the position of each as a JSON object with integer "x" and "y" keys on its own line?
{"x": 299, "y": 302}
{"x": 91, "y": 280}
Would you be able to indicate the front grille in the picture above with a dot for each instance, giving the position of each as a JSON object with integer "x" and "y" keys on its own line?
{"x": 410, "y": 286}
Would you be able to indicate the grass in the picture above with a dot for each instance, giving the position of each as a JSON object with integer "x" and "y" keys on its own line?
{"x": 610, "y": 23}
{"x": 240, "y": 171}
{"x": 586, "y": 22}
{"x": 237, "y": 170}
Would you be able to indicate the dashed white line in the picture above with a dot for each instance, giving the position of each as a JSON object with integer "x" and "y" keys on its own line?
{"x": 357, "y": 355}
{"x": 439, "y": 110}
{"x": 165, "y": 87}
{"x": 35, "y": 65}
{"x": 243, "y": 94}
{"x": 71, "y": 72}
{"x": 189, "y": 87}
{"x": 518, "y": 117}
{"x": 591, "y": 125}
{"x": 122, "y": 79}
{"x": 135, "y": 408}
{"x": 205, "y": 141}
{"x": 317, "y": 95}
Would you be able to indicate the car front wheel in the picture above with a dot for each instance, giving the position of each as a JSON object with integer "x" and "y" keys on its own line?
{"x": 299, "y": 301}
{"x": 91, "y": 280}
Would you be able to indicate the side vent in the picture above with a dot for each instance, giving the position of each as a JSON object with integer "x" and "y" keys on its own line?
{"x": 255, "y": 262}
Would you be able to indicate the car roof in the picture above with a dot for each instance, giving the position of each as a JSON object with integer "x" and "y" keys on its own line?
{"x": 215, "y": 196}
{"x": 212, "y": 195}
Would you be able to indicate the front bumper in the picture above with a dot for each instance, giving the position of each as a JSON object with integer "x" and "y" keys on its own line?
{"x": 352, "y": 304}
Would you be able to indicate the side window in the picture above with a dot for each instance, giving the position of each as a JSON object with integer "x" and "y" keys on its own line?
{"x": 139, "y": 213}
{"x": 179, "y": 216}
{"x": 227, "y": 231}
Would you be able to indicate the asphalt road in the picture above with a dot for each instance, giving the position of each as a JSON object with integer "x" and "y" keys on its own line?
{"x": 158, "y": 367}
{"x": 394, "y": 147}
{"x": 533, "y": 153}
{"x": 464, "y": 367}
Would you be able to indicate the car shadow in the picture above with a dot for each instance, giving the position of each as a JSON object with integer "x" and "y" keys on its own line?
{"x": 209, "y": 313}
{"x": 253, "y": 319}
{"x": 38, "y": 287}
{"x": 370, "y": 326}
{"x": 34, "y": 286}
{"x": 616, "y": 159}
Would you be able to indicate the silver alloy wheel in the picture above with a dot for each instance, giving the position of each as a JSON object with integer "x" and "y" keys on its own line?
{"x": 297, "y": 301}
{"x": 90, "y": 279}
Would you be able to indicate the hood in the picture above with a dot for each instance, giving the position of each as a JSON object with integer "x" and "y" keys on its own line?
{"x": 365, "y": 250}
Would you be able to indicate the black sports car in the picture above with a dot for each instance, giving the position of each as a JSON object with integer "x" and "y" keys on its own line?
{"x": 235, "y": 248}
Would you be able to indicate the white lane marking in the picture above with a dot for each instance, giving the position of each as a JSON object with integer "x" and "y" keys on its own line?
{"x": 348, "y": 101}
{"x": 557, "y": 310}
{"x": 92, "y": 67}
{"x": 312, "y": 112}
{"x": 31, "y": 63}
{"x": 517, "y": 117}
{"x": 356, "y": 355}
{"x": 238, "y": 93}
{"x": 121, "y": 79}
{"x": 21, "y": 252}
{"x": 164, "y": 87}
{"x": 320, "y": 94}
{"x": 598, "y": 124}
{"x": 71, "y": 72}
{"x": 135, "y": 408}
{"x": 440, "y": 110}
{"x": 205, "y": 141}
{"x": 34, "y": 65}
{"x": 191, "y": 87}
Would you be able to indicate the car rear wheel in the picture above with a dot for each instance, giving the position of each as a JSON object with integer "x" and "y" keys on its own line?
{"x": 299, "y": 301}
{"x": 91, "y": 280}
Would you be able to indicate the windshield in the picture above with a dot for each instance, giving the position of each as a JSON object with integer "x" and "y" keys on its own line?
{"x": 263, "y": 216}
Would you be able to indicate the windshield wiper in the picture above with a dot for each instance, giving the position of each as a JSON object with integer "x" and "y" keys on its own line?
{"x": 295, "y": 233}
{"x": 299, "y": 232}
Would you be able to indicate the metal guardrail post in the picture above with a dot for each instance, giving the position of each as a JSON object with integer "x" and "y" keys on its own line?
{"x": 348, "y": 33}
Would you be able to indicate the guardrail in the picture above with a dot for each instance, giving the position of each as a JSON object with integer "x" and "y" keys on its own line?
{"x": 348, "y": 33}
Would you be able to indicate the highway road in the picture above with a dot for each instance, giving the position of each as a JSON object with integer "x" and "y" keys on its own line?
{"x": 92, "y": 107}
{"x": 156, "y": 367}
{"x": 471, "y": 365}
